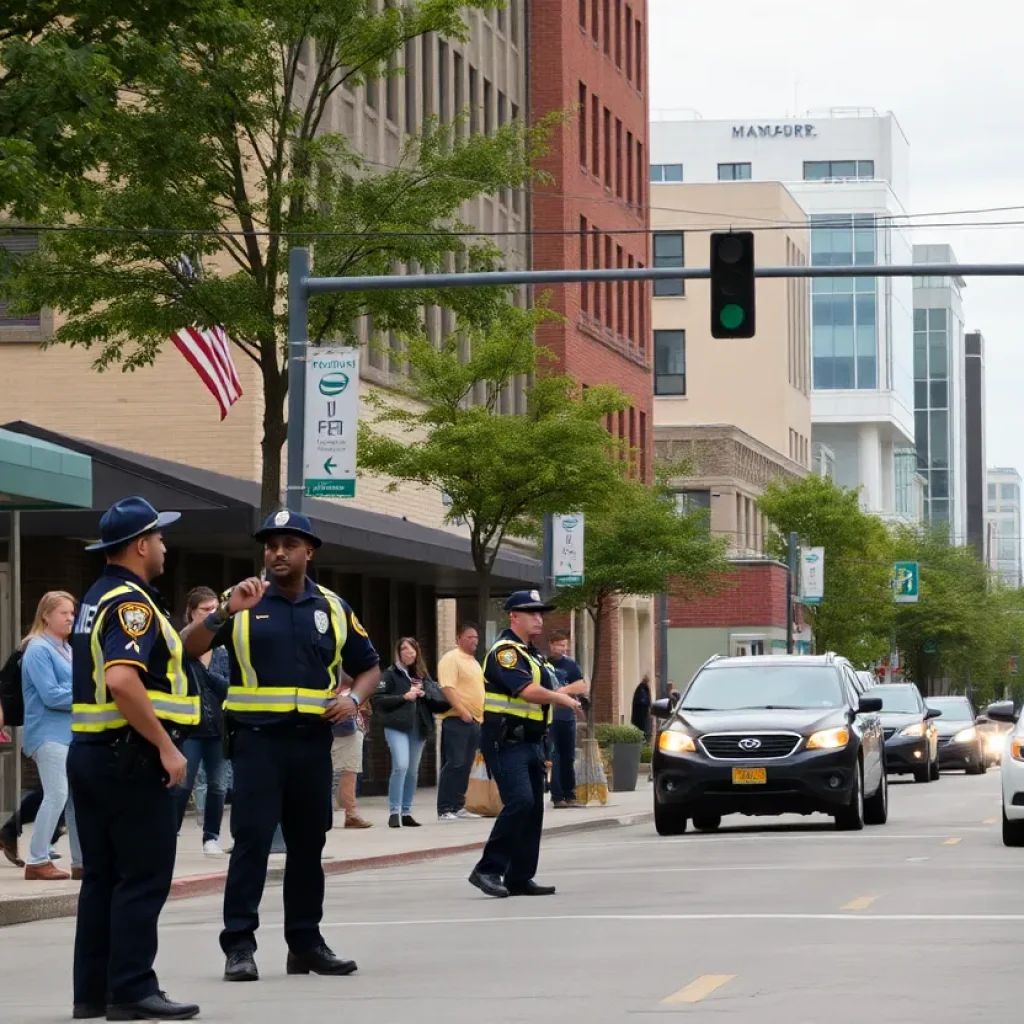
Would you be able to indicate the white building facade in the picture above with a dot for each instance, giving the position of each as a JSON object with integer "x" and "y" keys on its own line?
{"x": 850, "y": 171}
{"x": 1004, "y": 517}
{"x": 940, "y": 415}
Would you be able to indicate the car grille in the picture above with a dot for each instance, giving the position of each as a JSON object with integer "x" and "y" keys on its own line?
{"x": 731, "y": 746}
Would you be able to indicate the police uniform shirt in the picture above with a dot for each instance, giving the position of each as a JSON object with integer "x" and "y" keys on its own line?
{"x": 507, "y": 671}
{"x": 130, "y": 634}
{"x": 292, "y": 644}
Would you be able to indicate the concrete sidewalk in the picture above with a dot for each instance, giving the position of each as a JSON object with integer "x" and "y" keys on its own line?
{"x": 347, "y": 849}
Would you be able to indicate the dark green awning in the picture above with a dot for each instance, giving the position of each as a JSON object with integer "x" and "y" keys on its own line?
{"x": 35, "y": 474}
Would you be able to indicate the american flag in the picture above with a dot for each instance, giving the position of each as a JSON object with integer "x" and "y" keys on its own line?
{"x": 208, "y": 352}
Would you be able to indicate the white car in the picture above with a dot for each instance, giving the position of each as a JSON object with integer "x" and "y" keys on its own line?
{"x": 1012, "y": 771}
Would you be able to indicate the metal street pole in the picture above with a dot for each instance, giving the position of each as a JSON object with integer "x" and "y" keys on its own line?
{"x": 662, "y": 689}
{"x": 791, "y": 553}
{"x": 547, "y": 554}
{"x": 298, "y": 342}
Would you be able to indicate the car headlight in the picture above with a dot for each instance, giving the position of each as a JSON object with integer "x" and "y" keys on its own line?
{"x": 829, "y": 739}
{"x": 1017, "y": 748}
{"x": 672, "y": 741}
{"x": 966, "y": 735}
{"x": 914, "y": 730}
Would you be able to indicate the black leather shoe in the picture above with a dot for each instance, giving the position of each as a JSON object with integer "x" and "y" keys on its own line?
{"x": 89, "y": 1011}
{"x": 241, "y": 966}
{"x": 531, "y": 888}
{"x": 408, "y": 821}
{"x": 154, "y": 1007}
{"x": 489, "y": 885}
{"x": 318, "y": 961}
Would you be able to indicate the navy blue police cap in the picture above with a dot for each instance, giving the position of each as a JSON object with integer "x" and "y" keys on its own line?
{"x": 527, "y": 601}
{"x": 284, "y": 521}
{"x": 130, "y": 518}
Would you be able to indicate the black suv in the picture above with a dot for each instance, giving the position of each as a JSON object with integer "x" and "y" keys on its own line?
{"x": 911, "y": 738}
{"x": 774, "y": 734}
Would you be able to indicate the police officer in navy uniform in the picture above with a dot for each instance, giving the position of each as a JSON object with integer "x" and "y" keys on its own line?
{"x": 286, "y": 653}
{"x": 133, "y": 702}
{"x": 518, "y": 689}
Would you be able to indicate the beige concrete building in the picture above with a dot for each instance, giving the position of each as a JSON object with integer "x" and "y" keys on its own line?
{"x": 737, "y": 410}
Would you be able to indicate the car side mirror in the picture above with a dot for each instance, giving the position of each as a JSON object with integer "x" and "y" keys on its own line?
{"x": 1002, "y": 711}
{"x": 661, "y": 708}
{"x": 981, "y": 719}
{"x": 869, "y": 705}
{"x": 932, "y": 713}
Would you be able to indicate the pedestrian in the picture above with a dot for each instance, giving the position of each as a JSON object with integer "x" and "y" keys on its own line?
{"x": 205, "y": 745}
{"x": 347, "y": 763}
{"x": 46, "y": 689}
{"x": 407, "y": 700}
{"x": 640, "y": 713}
{"x": 518, "y": 686}
{"x": 25, "y": 814}
{"x": 462, "y": 682}
{"x": 562, "y": 731}
{"x": 133, "y": 700}
{"x": 288, "y": 641}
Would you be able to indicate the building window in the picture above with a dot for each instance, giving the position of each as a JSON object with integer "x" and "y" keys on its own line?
{"x": 595, "y": 136}
{"x": 670, "y": 362}
{"x": 618, "y": 158}
{"x": 593, "y": 20}
{"x": 1008, "y": 492}
{"x": 629, "y": 168}
{"x": 668, "y": 252}
{"x": 666, "y": 172}
{"x": 839, "y": 170}
{"x": 488, "y": 115}
{"x": 597, "y": 266}
{"x": 844, "y": 310}
{"x": 734, "y": 172}
{"x": 584, "y": 263}
{"x": 609, "y": 287}
{"x": 629, "y": 43}
{"x": 583, "y": 14}
{"x": 620, "y": 297}
{"x": 474, "y": 101}
{"x": 18, "y": 244}
{"x": 607, "y": 28}
{"x": 631, "y": 303}
{"x": 391, "y": 91}
{"x": 607, "y": 125}
{"x": 458, "y": 70}
{"x": 992, "y": 493}
{"x": 410, "y": 86}
{"x": 639, "y": 40}
{"x": 442, "y": 80}
{"x": 618, "y": 33}
{"x": 643, "y": 445}
{"x": 582, "y": 122}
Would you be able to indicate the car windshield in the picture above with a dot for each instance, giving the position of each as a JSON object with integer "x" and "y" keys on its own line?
{"x": 899, "y": 700}
{"x": 734, "y": 687}
{"x": 955, "y": 710}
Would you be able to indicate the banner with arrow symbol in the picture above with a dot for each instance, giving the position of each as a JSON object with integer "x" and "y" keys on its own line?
{"x": 332, "y": 418}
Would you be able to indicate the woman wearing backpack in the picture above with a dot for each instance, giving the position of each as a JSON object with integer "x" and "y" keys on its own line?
{"x": 46, "y": 688}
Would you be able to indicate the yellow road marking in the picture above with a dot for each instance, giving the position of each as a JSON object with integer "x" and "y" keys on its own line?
{"x": 860, "y": 903}
{"x": 951, "y": 842}
{"x": 989, "y": 821}
{"x": 698, "y": 989}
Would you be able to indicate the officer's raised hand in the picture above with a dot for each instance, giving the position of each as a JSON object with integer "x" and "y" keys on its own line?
{"x": 247, "y": 594}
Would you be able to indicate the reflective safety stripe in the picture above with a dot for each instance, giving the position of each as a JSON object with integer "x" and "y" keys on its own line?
{"x": 243, "y": 652}
{"x": 339, "y": 626}
{"x": 101, "y": 717}
{"x": 504, "y": 705}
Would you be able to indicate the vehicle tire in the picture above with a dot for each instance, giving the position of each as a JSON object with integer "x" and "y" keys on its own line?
{"x": 669, "y": 821}
{"x": 923, "y": 774}
{"x": 876, "y": 807}
{"x": 978, "y": 768}
{"x": 1013, "y": 831}
{"x": 707, "y": 822}
{"x": 935, "y": 771}
{"x": 851, "y": 817}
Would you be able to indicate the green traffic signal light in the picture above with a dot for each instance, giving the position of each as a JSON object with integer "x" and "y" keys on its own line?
{"x": 731, "y": 316}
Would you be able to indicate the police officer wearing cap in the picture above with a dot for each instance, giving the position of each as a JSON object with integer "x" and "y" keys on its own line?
{"x": 286, "y": 654}
{"x": 133, "y": 702}
{"x": 518, "y": 692}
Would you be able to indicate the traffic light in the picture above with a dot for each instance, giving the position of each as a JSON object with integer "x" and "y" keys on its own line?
{"x": 732, "y": 284}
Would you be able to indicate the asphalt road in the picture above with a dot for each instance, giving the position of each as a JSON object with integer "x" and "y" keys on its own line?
{"x": 770, "y": 920}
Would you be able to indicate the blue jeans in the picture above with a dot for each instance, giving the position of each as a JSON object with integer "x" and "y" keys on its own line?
{"x": 563, "y": 767}
{"x": 51, "y": 759}
{"x": 209, "y": 752}
{"x": 406, "y": 750}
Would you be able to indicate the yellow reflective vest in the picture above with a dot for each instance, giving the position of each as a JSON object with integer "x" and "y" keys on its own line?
{"x": 517, "y": 707}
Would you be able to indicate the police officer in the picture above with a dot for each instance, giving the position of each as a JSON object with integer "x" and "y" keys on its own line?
{"x": 286, "y": 655}
{"x": 518, "y": 688}
{"x": 133, "y": 701}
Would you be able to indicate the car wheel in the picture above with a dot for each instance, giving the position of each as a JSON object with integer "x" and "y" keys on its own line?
{"x": 851, "y": 817}
{"x": 923, "y": 774}
{"x": 669, "y": 821}
{"x": 707, "y": 822}
{"x": 935, "y": 771}
{"x": 977, "y": 768}
{"x": 1013, "y": 831}
{"x": 876, "y": 807}
{"x": 982, "y": 764}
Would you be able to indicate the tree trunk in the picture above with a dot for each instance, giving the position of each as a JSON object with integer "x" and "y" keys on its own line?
{"x": 483, "y": 601}
{"x": 594, "y": 674}
{"x": 275, "y": 433}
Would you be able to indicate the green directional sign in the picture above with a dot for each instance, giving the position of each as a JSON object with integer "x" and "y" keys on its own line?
{"x": 906, "y": 582}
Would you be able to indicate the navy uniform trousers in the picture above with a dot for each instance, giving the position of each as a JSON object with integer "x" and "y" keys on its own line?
{"x": 282, "y": 773}
{"x": 127, "y": 826}
{"x": 513, "y": 849}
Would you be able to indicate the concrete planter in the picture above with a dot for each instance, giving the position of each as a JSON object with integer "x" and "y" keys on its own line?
{"x": 625, "y": 767}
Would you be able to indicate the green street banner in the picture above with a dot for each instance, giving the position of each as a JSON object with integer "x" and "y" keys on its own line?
{"x": 332, "y": 417}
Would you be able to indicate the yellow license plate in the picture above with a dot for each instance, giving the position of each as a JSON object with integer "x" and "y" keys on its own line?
{"x": 749, "y": 776}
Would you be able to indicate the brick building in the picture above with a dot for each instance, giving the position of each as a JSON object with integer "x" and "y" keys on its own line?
{"x": 589, "y": 61}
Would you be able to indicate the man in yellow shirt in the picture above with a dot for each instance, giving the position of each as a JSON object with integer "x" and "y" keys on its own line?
{"x": 462, "y": 681}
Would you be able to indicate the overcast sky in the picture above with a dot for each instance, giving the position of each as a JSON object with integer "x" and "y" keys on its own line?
{"x": 954, "y": 78}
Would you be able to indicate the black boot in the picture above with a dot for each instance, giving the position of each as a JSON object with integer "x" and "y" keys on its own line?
{"x": 241, "y": 966}
{"x": 318, "y": 961}
{"x": 489, "y": 885}
{"x": 89, "y": 1011}
{"x": 154, "y": 1007}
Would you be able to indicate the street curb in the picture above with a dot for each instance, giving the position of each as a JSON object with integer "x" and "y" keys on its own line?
{"x": 46, "y": 906}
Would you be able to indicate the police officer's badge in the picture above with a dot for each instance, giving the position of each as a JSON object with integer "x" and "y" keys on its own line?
{"x": 135, "y": 618}
{"x": 534, "y": 595}
{"x": 281, "y": 519}
{"x": 321, "y": 620}
{"x": 507, "y": 658}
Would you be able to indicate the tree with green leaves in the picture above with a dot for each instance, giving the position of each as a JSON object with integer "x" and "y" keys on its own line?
{"x": 501, "y": 474}
{"x": 855, "y": 616}
{"x": 639, "y": 541}
{"x": 221, "y": 128}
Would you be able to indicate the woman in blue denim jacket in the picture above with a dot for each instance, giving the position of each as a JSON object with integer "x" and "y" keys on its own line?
{"x": 46, "y": 688}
